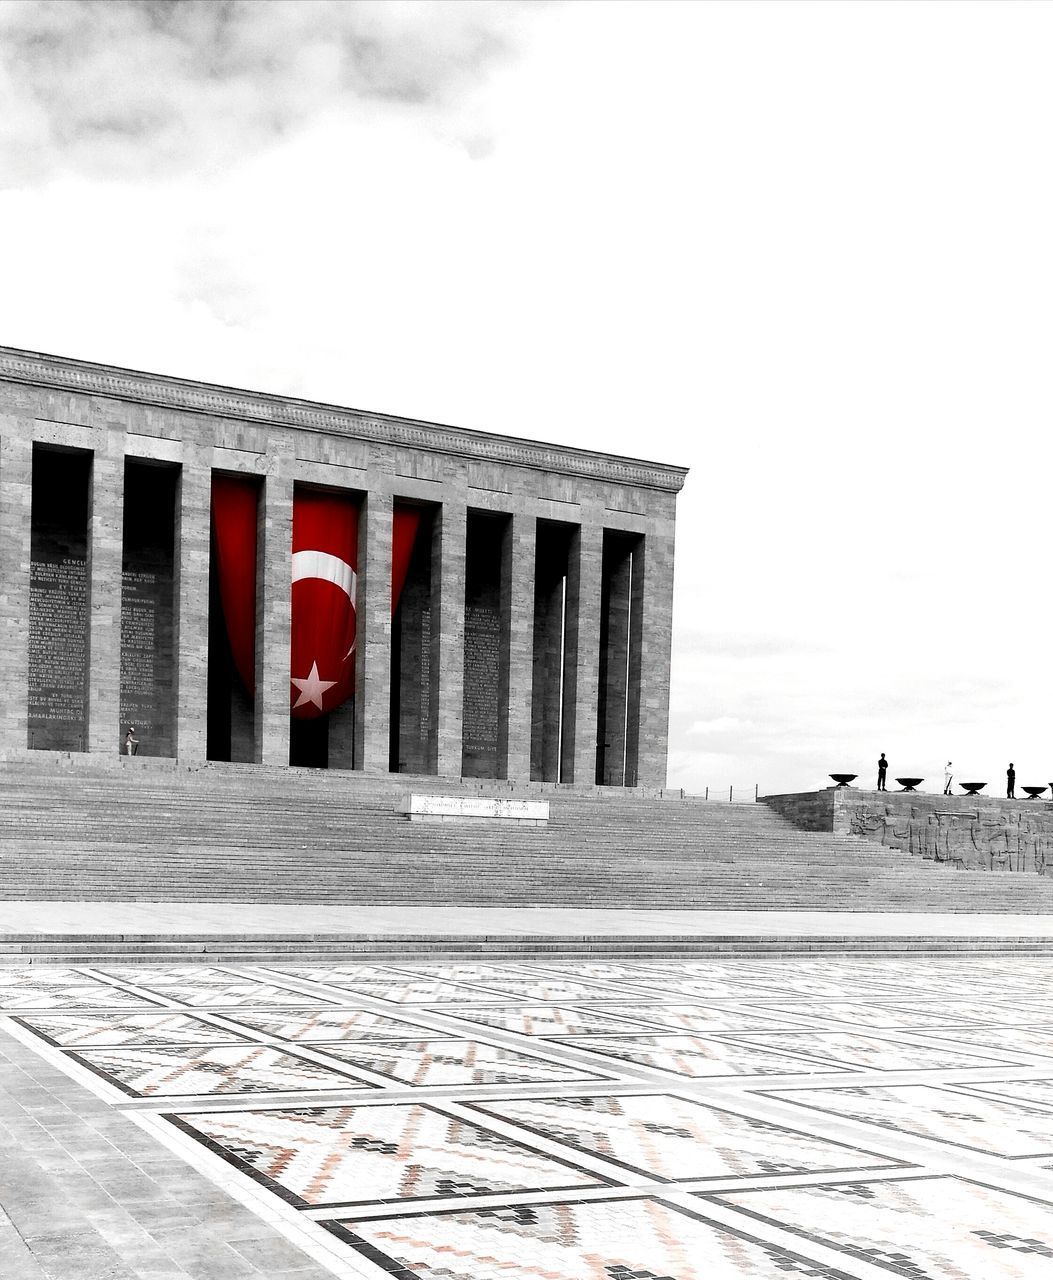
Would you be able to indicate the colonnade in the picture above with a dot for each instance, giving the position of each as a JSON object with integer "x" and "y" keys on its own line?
{"x": 583, "y": 600}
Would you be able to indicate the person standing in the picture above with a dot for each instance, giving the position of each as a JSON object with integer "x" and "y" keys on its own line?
{"x": 1010, "y": 782}
{"x": 131, "y": 742}
{"x": 948, "y": 778}
{"x": 882, "y": 769}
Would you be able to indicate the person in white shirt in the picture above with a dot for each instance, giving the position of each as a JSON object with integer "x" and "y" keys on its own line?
{"x": 947, "y": 778}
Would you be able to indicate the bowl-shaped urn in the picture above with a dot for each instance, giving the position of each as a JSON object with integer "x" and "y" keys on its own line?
{"x": 973, "y": 788}
{"x": 910, "y": 784}
{"x": 1033, "y": 793}
{"x": 843, "y": 779}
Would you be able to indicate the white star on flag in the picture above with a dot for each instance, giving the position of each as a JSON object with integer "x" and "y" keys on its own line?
{"x": 311, "y": 688}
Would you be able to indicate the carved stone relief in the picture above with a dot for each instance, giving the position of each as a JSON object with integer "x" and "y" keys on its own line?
{"x": 970, "y": 839}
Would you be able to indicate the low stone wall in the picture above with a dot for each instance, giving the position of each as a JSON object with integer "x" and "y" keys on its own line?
{"x": 809, "y": 810}
{"x": 975, "y": 833}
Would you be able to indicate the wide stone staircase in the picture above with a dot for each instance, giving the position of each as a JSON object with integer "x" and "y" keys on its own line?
{"x": 149, "y": 833}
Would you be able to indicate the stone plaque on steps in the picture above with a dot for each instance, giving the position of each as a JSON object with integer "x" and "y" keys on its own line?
{"x": 418, "y": 808}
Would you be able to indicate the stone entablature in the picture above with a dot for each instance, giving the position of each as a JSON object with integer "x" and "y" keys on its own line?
{"x": 971, "y": 833}
{"x": 33, "y": 368}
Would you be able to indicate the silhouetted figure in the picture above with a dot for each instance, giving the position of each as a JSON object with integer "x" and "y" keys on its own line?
{"x": 948, "y": 778}
{"x": 882, "y": 769}
{"x": 1010, "y": 782}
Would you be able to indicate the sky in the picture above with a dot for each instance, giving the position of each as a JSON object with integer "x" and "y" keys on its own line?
{"x": 801, "y": 248}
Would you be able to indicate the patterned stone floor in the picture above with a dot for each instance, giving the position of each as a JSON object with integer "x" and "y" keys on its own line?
{"x": 833, "y": 1117}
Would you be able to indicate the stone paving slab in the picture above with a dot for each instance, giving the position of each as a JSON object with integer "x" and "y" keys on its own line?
{"x": 86, "y": 1195}
{"x": 172, "y": 919}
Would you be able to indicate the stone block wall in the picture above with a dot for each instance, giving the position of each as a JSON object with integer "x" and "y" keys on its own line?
{"x": 809, "y": 810}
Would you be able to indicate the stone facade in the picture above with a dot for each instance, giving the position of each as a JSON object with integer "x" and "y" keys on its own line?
{"x": 541, "y": 575}
{"x": 973, "y": 833}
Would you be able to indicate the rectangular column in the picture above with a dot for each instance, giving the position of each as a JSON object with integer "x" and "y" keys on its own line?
{"x": 105, "y": 555}
{"x": 517, "y": 613}
{"x": 447, "y": 635}
{"x": 582, "y": 655}
{"x": 16, "y": 504}
{"x": 373, "y": 632}
{"x": 650, "y": 647}
{"x": 274, "y": 612}
{"x": 193, "y": 551}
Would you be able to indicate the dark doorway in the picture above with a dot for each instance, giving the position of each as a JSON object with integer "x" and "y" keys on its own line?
{"x": 485, "y": 644}
{"x": 59, "y": 601}
{"x": 552, "y": 559}
{"x": 148, "y": 608}
{"x": 413, "y": 717}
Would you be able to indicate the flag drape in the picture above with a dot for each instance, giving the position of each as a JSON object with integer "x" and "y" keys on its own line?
{"x": 324, "y": 577}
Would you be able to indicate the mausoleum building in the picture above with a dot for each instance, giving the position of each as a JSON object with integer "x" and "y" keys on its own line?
{"x": 254, "y": 578}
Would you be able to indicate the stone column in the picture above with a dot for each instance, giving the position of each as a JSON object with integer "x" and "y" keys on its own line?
{"x": 16, "y": 504}
{"x": 582, "y": 652}
{"x": 373, "y": 631}
{"x": 447, "y": 634}
{"x": 650, "y": 646}
{"x": 274, "y": 611}
{"x": 193, "y": 550}
{"x": 105, "y": 556}
{"x": 517, "y": 614}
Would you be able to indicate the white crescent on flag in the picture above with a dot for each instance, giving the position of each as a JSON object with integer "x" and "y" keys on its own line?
{"x": 330, "y": 568}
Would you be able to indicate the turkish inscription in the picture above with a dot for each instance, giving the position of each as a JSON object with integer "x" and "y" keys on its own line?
{"x": 424, "y": 720}
{"x": 147, "y": 657}
{"x": 482, "y": 657}
{"x": 58, "y": 653}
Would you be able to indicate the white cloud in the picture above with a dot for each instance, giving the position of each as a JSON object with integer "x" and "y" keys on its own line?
{"x": 145, "y": 87}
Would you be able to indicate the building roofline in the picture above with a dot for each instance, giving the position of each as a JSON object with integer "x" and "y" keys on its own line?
{"x": 89, "y": 378}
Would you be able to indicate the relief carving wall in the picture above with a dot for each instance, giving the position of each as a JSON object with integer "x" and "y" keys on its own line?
{"x": 972, "y": 839}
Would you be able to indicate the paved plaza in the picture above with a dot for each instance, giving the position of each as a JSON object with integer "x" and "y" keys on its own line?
{"x": 852, "y": 1116}
{"x": 198, "y": 920}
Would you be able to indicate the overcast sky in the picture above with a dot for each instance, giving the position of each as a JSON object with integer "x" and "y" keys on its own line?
{"x": 803, "y": 249}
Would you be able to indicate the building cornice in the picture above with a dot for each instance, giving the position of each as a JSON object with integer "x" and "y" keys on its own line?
{"x": 83, "y": 377}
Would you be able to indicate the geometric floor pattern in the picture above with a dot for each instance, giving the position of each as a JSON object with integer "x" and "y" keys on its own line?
{"x": 847, "y": 1117}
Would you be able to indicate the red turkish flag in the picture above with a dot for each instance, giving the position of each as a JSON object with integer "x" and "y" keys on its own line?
{"x": 324, "y": 575}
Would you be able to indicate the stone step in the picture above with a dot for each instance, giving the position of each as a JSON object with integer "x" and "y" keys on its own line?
{"x": 247, "y": 834}
{"x": 306, "y": 949}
